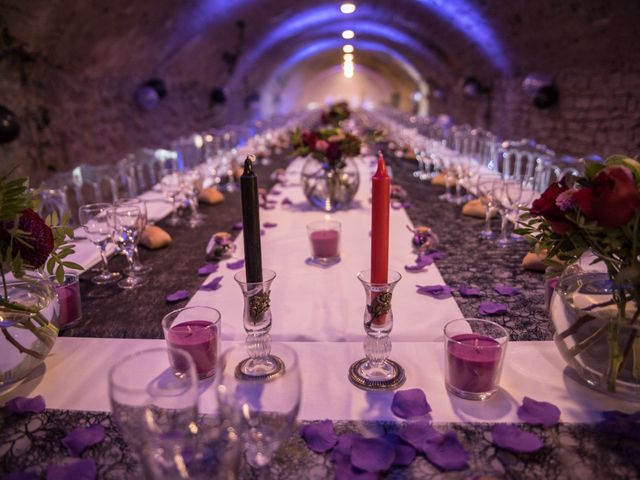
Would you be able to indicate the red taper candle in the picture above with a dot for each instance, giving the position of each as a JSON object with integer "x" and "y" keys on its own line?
{"x": 380, "y": 193}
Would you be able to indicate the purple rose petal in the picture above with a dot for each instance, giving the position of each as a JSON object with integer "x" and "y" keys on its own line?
{"x": 213, "y": 284}
{"x": 538, "y": 413}
{"x": 21, "y": 476}
{"x": 492, "y": 308}
{"x": 372, "y": 454}
{"x": 177, "y": 296}
{"x": 437, "y": 255}
{"x": 417, "y": 433}
{"x": 506, "y": 290}
{"x": 346, "y": 471}
{"x": 80, "y": 470}
{"x": 436, "y": 291}
{"x": 208, "y": 269}
{"x": 235, "y": 265}
{"x": 406, "y": 204}
{"x": 26, "y": 405}
{"x": 320, "y": 436}
{"x": 422, "y": 261}
{"x": 513, "y": 438}
{"x": 262, "y": 232}
{"x": 343, "y": 447}
{"x": 275, "y": 191}
{"x": 237, "y": 226}
{"x": 466, "y": 291}
{"x": 410, "y": 403}
{"x": 269, "y": 225}
{"x": 446, "y": 453}
{"x": 82, "y": 438}
{"x": 405, "y": 454}
{"x": 286, "y": 201}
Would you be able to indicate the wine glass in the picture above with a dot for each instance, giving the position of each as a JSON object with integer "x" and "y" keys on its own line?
{"x": 192, "y": 181}
{"x": 125, "y": 221}
{"x": 94, "y": 218}
{"x": 154, "y": 401}
{"x": 484, "y": 187}
{"x": 264, "y": 407}
{"x": 138, "y": 267}
{"x": 171, "y": 186}
{"x": 506, "y": 193}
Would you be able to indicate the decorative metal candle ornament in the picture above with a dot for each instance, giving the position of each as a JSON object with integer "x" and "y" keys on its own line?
{"x": 376, "y": 371}
{"x": 424, "y": 239}
{"x": 220, "y": 246}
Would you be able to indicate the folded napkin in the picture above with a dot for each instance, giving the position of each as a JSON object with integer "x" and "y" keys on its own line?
{"x": 154, "y": 237}
{"x": 441, "y": 180}
{"x": 535, "y": 261}
{"x": 211, "y": 196}
{"x": 475, "y": 208}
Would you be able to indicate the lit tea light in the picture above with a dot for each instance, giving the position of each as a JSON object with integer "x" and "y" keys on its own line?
{"x": 348, "y": 34}
{"x": 347, "y": 8}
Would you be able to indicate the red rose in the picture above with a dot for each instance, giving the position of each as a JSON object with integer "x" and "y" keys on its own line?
{"x": 583, "y": 199}
{"x": 38, "y": 239}
{"x": 547, "y": 208}
{"x": 309, "y": 139}
{"x": 615, "y": 197}
{"x": 333, "y": 153}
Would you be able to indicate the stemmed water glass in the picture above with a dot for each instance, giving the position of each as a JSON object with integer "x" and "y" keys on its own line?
{"x": 138, "y": 267}
{"x": 264, "y": 407}
{"x": 506, "y": 193}
{"x": 192, "y": 181}
{"x": 94, "y": 218}
{"x": 484, "y": 190}
{"x": 125, "y": 221}
{"x": 171, "y": 186}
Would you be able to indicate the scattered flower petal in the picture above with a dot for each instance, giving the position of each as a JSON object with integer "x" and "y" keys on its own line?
{"x": 492, "y": 308}
{"x": 208, "y": 269}
{"x": 237, "y": 226}
{"x": 538, "y": 413}
{"x": 235, "y": 265}
{"x": 506, "y": 290}
{"x": 275, "y": 191}
{"x": 319, "y": 436}
{"x": 343, "y": 447}
{"x": 422, "y": 261}
{"x": 372, "y": 454}
{"x": 262, "y": 232}
{"x": 417, "y": 433}
{"x": 26, "y": 405}
{"x": 177, "y": 296}
{"x": 410, "y": 403}
{"x": 81, "y": 438}
{"x": 213, "y": 284}
{"x": 514, "y": 439}
{"x": 405, "y": 454}
{"x": 406, "y": 204}
{"x": 436, "y": 291}
{"x": 286, "y": 201}
{"x": 269, "y": 224}
{"x": 437, "y": 255}
{"x": 80, "y": 470}
{"x": 466, "y": 291}
{"x": 346, "y": 471}
{"x": 446, "y": 452}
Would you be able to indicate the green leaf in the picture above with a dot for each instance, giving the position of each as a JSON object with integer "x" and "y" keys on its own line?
{"x": 592, "y": 169}
{"x": 60, "y": 274}
{"x": 73, "y": 265}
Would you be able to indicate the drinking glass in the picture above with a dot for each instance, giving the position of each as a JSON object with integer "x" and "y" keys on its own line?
{"x": 192, "y": 181}
{"x": 484, "y": 187}
{"x": 154, "y": 401}
{"x": 138, "y": 267}
{"x": 446, "y": 160}
{"x": 125, "y": 221}
{"x": 94, "y": 218}
{"x": 506, "y": 193}
{"x": 264, "y": 408}
{"x": 171, "y": 186}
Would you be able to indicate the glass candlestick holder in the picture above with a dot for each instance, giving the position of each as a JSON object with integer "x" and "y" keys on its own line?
{"x": 376, "y": 371}
{"x": 260, "y": 364}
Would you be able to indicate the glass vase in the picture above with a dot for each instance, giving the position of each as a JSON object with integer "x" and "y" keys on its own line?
{"x": 256, "y": 316}
{"x": 329, "y": 188}
{"x": 28, "y": 324}
{"x": 597, "y": 331}
{"x": 376, "y": 371}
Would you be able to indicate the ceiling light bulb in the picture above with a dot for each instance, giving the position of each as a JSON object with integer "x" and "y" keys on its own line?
{"x": 347, "y": 8}
{"x": 347, "y": 34}
{"x": 347, "y": 49}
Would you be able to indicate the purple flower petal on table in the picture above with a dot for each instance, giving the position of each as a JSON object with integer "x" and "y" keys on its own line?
{"x": 507, "y": 290}
{"x": 81, "y": 438}
{"x": 208, "y": 269}
{"x": 26, "y": 405}
{"x": 275, "y": 191}
{"x": 466, "y": 291}
{"x": 346, "y": 471}
{"x": 422, "y": 261}
{"x": 437, "y": 255}
{"x": 269, "y": 225}
{"x": 405, "y": 454}
{"x": 436, "y": 291}
{"x": 237, "y": 226}
{"x": 286, "y": 201}
{"x": 492, "y": 308}
{"x": 372, "y": 454}
{"x": 538, "y": 413}
{"x": 21, "y": 476}
{"x": 235, "y": 265}
{"x": 80, "y": 470}
{"x": 417, "y": 433}
{"x": 345, "y": 442}
{"x": 319, "y": 436}
{"x": 177, "y": 296}
{"x": 410, "y": 403}
{"x": 213, "y": 284}
{"x": 262, "y": 232}
{"x": 513, "y": 438}
{"x": 446, "y": 453}
{"x": 406, "y": 204}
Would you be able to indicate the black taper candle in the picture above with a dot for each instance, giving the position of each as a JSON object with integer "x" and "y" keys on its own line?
{"x": 251, "y": 222}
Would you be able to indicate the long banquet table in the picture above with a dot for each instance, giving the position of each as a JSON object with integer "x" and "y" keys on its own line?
{"x": 319, "y": 312}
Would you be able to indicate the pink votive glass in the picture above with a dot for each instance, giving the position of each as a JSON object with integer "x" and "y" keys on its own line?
{"x": 196, "y": 331}
{"x": 474, "y": 354}
{"x": 69, "y": 300}
{"x": 324, "y": 239}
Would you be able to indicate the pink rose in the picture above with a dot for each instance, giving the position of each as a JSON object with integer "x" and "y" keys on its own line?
{"x": 321, "y": 145}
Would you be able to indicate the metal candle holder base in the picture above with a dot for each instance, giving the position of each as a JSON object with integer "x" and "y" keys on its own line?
{"x": 395, "y": 381}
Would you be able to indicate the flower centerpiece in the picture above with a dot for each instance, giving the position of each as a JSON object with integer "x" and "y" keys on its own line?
{"x": 336, "y": 113}
{"x": 28, "y": 301}
{"x": 595, "y": 313}
{"x": 330, "y": 178}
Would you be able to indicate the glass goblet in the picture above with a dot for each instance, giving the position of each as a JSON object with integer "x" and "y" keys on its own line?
{"x": 125, "y": 221}
{"x": 506, "y": 193}
{"x": 94, "y": 218}
{"x": 484, "y": 190}
{"x": 171, "y": 186}
{"x": 138, "y": 267}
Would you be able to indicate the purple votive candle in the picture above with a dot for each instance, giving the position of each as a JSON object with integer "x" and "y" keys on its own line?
{"x": 474, "y": 352}
{"x": 69, "y": 301}
{"x": 199, "y": 337}
{"x": 324, "y": 238}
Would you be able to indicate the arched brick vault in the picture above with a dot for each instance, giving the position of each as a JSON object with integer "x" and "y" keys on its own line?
{"x": 68, "y": 68}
